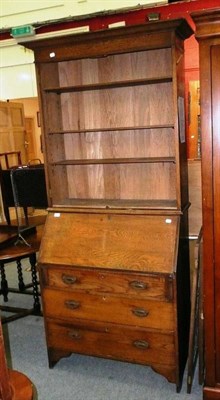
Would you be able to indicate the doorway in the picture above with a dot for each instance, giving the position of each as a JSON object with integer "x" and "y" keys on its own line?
{"x": 12, "y": 128}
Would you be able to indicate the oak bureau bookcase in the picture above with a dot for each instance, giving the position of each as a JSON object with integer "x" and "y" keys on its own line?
{"x": 113, "y": 263}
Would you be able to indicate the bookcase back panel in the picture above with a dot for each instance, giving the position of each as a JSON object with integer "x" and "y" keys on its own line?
{"x": 122, "y": 181}
{"x": 120, "y": 67}
{"x": 150, "y": 180}
{"x": 118, "y": 107}
{"x": 116, "y": 144}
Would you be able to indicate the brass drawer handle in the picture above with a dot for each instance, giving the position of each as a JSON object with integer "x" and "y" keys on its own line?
{"x": 138, "y": 285}
{"x": 68, "y": 279}
{"x": 140, "y": 312}
{"x": 72, "y": 304}
{"x": 141, "y": 344}
{"x": 74, "y": 334}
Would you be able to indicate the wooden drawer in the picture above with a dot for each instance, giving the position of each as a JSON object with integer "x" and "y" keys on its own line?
{"x": 96, "y": 281}
{"x": 116, "y": 342}
{"x": 110, "y": 308}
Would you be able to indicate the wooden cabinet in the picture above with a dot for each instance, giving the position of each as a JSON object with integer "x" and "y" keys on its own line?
{"x": 208, "y": 35}
{"x": 114, "y": 256}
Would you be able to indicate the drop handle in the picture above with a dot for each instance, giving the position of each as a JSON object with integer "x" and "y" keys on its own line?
{"x": 141, "y": 344}
{"x": 72, "y": 304}
{"x": 138, "y": 285}
{"x": 68, "y": 279}
{"x": 140, "y": 312}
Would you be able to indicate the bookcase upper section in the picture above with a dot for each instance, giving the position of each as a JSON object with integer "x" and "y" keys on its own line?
{"x": 112, "y": 105}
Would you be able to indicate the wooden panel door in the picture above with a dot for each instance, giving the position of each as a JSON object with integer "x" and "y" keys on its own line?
{"x": 215, "y": 55}
{"x": 208, "y": 35}
{"x": 29, "y": 139}
{"x": 12, "y": 129}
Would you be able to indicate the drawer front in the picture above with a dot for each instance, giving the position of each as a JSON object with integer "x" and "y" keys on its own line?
{"x": 109, "y": 308}
{"x": 96, "y": 281}
{"x": 116, "y": 342}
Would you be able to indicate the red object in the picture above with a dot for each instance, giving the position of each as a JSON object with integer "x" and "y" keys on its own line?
{"x": 139, "y": 16}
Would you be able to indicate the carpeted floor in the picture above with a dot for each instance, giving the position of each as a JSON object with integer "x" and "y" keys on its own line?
{"x": 79, "y": 377}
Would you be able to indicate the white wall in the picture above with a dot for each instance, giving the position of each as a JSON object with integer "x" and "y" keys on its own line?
{"x": 18, "y": 12}
{"x": 17, "y": 72}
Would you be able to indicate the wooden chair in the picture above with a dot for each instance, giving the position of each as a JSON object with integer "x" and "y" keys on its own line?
{"x": 10, "y": 159}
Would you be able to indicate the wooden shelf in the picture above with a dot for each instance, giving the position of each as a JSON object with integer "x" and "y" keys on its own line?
{"x": 139, "y": 160}
{"x": 109, "y": 85}
{"x": 120, "y": 204}
{"x": 112, "y": 129}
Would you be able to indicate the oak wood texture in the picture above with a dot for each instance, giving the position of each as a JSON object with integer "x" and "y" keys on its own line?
{"x": 113, "y": 261}
{"x": 100, "y": 141}
{"x": 208, "y": 36}
{"x": 141, "y": 285}
{"x": 118, "y": 242}
{"x": 139, "y": 346}
{"x": 109, "y": 308}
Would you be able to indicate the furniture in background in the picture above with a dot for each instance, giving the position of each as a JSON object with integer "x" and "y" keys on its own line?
{"x": 17, "y": 253}
{"x": 114, "y": 257}
{"x": 21, "y": 241}
{"x": 13, "y": 384}
{"x": 23, "y": 186}
{"x": 29, "y": 190}
{"x": 8, "y": 161}
{"x": 208, "y": 36}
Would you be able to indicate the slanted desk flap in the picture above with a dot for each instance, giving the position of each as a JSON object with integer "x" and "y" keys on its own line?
{"x": 131, "y": 242}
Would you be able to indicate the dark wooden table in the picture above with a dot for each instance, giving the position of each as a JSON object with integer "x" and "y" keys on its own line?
{"x": 16, "y": 252}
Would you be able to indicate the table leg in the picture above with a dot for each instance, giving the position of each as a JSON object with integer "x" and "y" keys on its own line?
{"x": 21, "y": 284}
{"x": 4, "y": 282}
{"x": 33, "y": 260}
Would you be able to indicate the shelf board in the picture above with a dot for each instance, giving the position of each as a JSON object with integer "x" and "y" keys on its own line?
{"x": 111, "y": 129}
{"x": 138, "y": 160}
{"x": 109, "y": 85}
{"x": 123, "y": 203}
{"x": 122, "y": 206}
